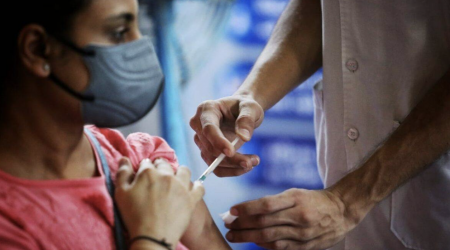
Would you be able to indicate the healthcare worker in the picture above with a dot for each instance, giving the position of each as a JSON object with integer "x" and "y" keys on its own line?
{"x": 382, "y": 127}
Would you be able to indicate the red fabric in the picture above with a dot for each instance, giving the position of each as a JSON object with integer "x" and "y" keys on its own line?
{"x": 71, "y": 214}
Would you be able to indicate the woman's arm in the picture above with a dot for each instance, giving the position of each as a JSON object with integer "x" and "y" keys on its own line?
{"x": 202, "y": 232}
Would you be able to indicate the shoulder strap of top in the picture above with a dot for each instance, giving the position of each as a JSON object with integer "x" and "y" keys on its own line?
{"x": 118, "y": 226}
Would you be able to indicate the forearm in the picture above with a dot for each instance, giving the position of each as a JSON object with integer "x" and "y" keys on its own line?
{"x": 421, "y": 139}
{"x": 202, "y": 232}
{"x": 292, "y": 55}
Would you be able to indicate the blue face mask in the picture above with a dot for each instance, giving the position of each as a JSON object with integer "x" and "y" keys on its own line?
{"x": 125, "y": 82}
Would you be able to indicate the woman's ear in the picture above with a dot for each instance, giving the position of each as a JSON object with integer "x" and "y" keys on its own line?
{"x": 33, "y": 50}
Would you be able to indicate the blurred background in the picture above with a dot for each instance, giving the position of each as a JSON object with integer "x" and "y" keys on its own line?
{"x": 206, "y": 48}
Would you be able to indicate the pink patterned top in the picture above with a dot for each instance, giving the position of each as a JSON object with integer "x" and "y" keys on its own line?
{"x": 72, "y": 214}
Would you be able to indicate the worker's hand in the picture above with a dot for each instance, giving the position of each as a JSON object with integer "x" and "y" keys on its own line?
{"x": 218, "y": 122}
{"x": 295, "y": 219}
{"x": 156, "y": 202}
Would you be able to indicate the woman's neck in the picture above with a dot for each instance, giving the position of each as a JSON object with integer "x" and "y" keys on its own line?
{"x": 41, "y": 141}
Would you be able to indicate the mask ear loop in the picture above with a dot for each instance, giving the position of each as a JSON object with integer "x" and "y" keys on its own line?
{"x": 89, "y": 98}
{"x": 75, "y": 48}
{"x": 90, "y": 53}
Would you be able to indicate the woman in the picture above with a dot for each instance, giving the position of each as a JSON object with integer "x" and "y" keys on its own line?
{"x": 68, "y": 63}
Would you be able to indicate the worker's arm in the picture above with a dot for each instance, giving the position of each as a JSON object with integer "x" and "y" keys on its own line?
{"x": 303, "y": 219}
{"x": 292, "y": 55}
{"x": 421, "y": 138}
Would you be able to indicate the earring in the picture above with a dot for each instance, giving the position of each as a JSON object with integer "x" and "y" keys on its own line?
{"x": 46, "y": 67}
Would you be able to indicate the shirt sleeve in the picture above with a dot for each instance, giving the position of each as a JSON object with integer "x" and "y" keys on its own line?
{"x": 153, "y": 147}
{"x": 14, "y": 238}
{"x": 136, "y": 147}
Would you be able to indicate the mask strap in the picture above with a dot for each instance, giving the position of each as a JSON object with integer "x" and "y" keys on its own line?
{"x": 89, "y": 98}
{"x": 75, "y": 48}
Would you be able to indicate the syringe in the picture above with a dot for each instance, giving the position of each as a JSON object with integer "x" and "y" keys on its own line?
{"x": 215, "y": 163}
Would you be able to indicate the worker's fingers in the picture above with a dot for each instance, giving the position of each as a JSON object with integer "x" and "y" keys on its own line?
{"x": 265, "y": 205}
{"x": 184, "y": 176}
{"x": 287, "y": 244}
{"x": 286, "y": 217}
{"x": 230, "y": 172}
{"x": 250, "y": 117}
{"x": 233, "y": 166}
{"x": 164, "y": 166}
{"x": 244, "y": 161}
{"x": 125, "y": 174}
{"x": 198, "y": 142}
{"x": 264, "y": 220}
{"x": 210, "y": 119}
{"x": 195, "y": 123}
{"x": 263, "y": 235}
{"x": 197, "y": 193}
{"x": 205, "y": 145}
{"x": 321, "y": 242}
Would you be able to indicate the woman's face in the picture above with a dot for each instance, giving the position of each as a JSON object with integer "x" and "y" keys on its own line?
{"x": 106, "y": 22}
{"x": 41, "y": 54}
{"x": 103, "y": 22}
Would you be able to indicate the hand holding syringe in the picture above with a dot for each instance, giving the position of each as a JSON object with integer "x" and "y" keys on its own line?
{"x": 215, "y": 163}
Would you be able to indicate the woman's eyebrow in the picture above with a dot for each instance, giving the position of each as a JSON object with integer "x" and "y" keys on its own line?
{"x": 128, "y": 17}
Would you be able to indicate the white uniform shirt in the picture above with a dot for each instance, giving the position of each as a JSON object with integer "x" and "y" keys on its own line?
{"x": 380, "y": 58}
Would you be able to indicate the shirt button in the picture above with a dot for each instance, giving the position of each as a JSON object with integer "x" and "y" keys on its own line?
{"x": 353, "y": 134}
{"x": 352, "y": 65}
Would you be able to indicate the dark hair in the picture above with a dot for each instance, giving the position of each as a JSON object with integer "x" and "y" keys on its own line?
{"x": 55, "y": 16}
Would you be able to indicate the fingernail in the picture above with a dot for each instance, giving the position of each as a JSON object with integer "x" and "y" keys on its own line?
{"x": 159, "y": 161}
{"x": 255, "y": 161}
{"x": 243, "y": 164}
{"x": 145, "y": 161}
{"x": 227, "y": 152}
{"x": 198, "y": 183}
{"x": 123, "y": 166}
{"x": 230, "y": 236}
{"x": 234, "y": 212}
{"x": 244, "y": 133}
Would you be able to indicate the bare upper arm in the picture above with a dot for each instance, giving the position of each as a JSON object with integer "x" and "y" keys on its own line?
{"x": 202, "y": 232}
